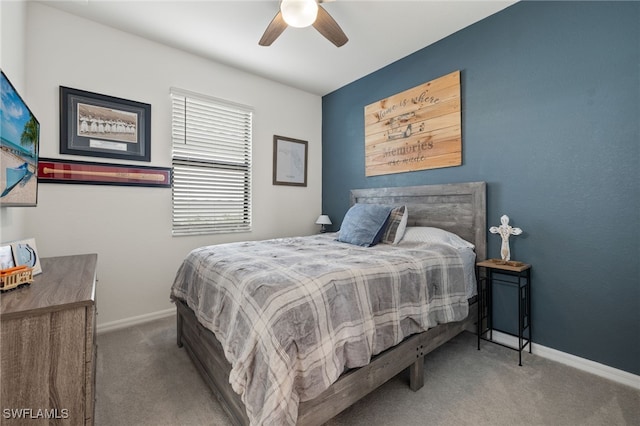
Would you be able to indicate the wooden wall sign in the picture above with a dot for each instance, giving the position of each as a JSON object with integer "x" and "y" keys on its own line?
{"x": 417, "y": 129}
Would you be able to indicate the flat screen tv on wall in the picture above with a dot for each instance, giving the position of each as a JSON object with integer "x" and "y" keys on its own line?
{"x": 20, "y": 134}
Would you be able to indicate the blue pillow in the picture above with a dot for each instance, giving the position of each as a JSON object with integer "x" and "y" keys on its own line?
{"x": 363, "y": 224}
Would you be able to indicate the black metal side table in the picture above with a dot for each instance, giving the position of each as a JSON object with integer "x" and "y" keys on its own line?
{"x": 513, "y": 274}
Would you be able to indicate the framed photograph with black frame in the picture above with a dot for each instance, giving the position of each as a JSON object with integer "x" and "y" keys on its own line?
{"x": 289, "y": 161}
{"x": 98, "y": 125}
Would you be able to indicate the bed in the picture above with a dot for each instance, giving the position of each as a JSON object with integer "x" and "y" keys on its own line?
{"x": 457, "y": 208}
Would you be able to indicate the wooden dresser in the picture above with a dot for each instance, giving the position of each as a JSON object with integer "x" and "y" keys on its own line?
{"x": 47, "y": 370}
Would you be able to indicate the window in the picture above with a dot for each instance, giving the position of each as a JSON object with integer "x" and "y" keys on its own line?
{"x": 211, "y": 165}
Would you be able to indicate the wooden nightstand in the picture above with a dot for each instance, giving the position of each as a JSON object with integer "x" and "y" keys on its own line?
{"x": 513, "y": 274}
{"x": 48, "y": 344}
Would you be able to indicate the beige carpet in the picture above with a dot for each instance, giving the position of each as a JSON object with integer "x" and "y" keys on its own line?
{"x": 143, "y": 378}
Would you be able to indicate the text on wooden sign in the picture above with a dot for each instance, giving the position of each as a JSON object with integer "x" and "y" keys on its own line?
{"x": 417, "y": 129}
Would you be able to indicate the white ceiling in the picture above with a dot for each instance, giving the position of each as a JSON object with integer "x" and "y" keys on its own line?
{"x": 380, "y": 32}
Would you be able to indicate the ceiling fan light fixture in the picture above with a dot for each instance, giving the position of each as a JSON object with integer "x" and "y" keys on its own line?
{"x": 299, "y": 13}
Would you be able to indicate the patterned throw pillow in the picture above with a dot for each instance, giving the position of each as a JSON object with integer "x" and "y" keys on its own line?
{"x": 396, "y": 224}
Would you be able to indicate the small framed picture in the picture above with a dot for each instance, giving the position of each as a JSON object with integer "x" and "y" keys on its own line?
{"x": 6, "y": 257}
{"x": 289, "y": 161}
{"x": 25, "y": 253}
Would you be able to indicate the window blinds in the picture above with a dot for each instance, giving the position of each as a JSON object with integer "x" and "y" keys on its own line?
{"x": 211, "y": 165}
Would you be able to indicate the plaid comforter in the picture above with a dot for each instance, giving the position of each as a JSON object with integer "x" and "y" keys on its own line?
{"x": 293, "y": 313}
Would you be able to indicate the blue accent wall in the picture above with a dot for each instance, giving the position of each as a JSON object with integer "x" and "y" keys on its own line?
{"x": 550, "y": 120}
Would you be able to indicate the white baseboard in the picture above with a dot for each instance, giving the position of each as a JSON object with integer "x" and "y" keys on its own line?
{"x": 583, "y": 364}
{"x": 140, "y": 319}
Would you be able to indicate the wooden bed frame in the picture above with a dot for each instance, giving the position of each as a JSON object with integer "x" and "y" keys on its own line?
{"x": 459, "y": 208}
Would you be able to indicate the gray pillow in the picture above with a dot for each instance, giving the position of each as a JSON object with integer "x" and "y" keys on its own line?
{"x": 363, "y": 224}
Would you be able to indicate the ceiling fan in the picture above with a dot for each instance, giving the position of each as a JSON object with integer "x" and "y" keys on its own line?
{"x": 300, "y": 14}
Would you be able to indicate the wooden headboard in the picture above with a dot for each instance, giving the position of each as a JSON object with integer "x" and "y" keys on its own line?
{"x": 456, "y": 207}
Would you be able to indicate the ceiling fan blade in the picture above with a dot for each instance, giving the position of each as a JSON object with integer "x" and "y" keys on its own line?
{"x": 273, "y": 31}
{"x": 329, "y": 28}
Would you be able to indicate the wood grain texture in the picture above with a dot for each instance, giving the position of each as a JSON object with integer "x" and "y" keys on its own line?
{"x": 329, "y": 28}
{"x": 208, "y": 356}
{"x": 90, "y": 360}
{"x": 47, "y": 332}
{"x": 497, "y": 264}
{"x": 459, "y": 208}
{"x": 61, "y": 285}
{"x": 418, "y": 129}
{"x": 273, "y": 31}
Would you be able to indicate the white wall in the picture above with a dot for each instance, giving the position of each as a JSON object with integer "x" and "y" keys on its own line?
{"x": 13, "y": 16}
{"x": 130, "y": 227}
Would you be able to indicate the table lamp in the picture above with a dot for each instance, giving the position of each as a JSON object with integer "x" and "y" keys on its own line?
{"x": 323, "y": 220}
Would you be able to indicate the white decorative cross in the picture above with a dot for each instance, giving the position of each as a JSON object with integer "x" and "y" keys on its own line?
{"x": 505, "y": 232}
